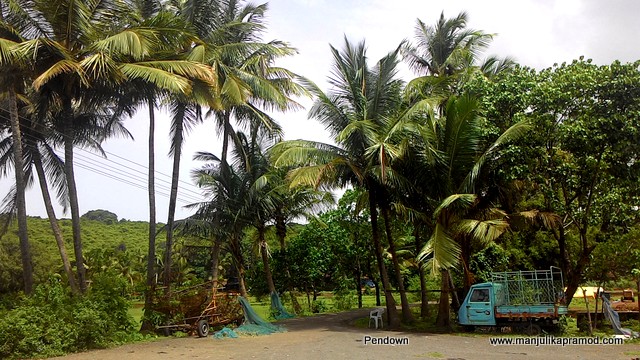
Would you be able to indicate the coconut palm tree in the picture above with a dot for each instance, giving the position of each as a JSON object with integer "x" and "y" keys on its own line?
{"x": 449, "y": 48}
{"x": 12, "y": 79}
{"x": 238, "y": 197}
{"x": 361, "y": 97}
{"x": 247, "y": 82}
{"x": 458, "y": 155}
{"x": 151, "y": 13}
{"x": 81, "y": 52}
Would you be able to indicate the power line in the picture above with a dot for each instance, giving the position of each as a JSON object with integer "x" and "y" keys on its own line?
{"x": 87, "y": 165}
{"x": 163, "y": 183}
{"x": 132, "y": 178}
{"x": 196, "y": 191}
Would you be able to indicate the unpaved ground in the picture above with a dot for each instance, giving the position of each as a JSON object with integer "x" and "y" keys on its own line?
{"x": 331, "y": 337}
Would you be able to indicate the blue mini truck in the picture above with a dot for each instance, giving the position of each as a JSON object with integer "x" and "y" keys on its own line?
{"x": 524, "y": 301}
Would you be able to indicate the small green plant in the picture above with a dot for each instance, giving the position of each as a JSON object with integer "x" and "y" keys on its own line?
{"x": 344, "y": 301}
{"x": 319, "y": 306}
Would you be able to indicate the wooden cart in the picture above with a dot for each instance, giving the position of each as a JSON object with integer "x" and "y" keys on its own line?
{"x": 198, "y": 308}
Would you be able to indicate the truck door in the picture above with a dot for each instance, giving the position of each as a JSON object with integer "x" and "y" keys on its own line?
{"x": 480, "y": 307}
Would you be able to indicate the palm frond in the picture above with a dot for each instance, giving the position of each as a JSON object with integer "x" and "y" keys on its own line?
{"x": 483, "y": 231}
{"x": 441, "y": 251}
{"x": 158, "y": 77}
{"x": 511, "y": 134}
{"x": 455, "y": 203}
{"x": 61, "y": 67}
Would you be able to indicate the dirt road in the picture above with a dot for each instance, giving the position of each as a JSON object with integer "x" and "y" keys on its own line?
{"x": 329, "y": 336}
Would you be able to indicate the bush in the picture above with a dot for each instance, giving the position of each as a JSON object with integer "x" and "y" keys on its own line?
{"x": 344, "y": 300}
{"x": 319, "y": 306}
{"x": 53, "y": 322}
{"x": 344, "y": 297}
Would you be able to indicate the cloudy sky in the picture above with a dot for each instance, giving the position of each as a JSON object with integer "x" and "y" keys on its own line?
{"x": 535, "y": 33}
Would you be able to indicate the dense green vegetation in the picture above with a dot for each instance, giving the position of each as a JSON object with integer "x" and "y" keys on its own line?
{"x": 472, "y": 166}
{"x": 100, "y": 237}
{"x": 52, "y": 322}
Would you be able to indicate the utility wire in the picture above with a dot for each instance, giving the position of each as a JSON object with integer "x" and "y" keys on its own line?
{"x": 196, "y": 189}
{"x": 90, "y": 165}
{"x": 191, "y": 195}
{"x": 159, "y": 182}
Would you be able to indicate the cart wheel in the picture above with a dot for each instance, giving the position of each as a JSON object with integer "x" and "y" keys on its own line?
{"x": 203, "y": 328}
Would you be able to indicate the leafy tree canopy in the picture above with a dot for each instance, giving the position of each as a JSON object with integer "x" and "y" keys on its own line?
{"x": 104, "y": 216}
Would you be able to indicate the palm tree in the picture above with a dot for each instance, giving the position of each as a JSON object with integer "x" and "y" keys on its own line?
{"x": 268, "y": 87}
{"x": 239, "y": 197}
{"x": 461, "y": 216}
{"x": 81, "y": 51}
{"x": 449, "y": 48}
{"x": 18, "y": 192}
{"x": 223, "y": 193}
{"x": 361, "y": 97}
{"x": 247, "y": 82}
{"x": 151, "y": 14}
{"x": 446, "y": 55}
{"x": 13, "y": 80}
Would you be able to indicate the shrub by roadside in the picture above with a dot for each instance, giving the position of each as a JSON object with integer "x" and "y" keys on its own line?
{"x": 53, "y": 322}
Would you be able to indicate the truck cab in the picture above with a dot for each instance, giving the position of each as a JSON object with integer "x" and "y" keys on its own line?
{"x": 479, "y": 306}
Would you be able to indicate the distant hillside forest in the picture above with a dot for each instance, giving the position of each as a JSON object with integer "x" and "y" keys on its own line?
{"x": 102, "y": 236}
{"x": 119, "y": 244}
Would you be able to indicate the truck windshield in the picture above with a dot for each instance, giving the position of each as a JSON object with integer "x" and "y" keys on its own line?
{"x": 480, "y": 295}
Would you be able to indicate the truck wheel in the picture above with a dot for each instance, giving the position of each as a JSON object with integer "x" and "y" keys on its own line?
{"x": 203, "y": 328}
{"x": 469, "y": 328}
{"x": 533, "y": 330}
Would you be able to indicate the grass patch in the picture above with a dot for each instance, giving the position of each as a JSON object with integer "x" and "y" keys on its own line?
{"x": 435, "y": 355}
{"x": 362, "y": 323}
{"x": 136, "y": 311}
{"x": 325, "y": 303}
{"x": 431, "y": 355}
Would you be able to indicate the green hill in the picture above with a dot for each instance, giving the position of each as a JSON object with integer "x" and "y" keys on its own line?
{"x": 117, "y": 245}
{"x": 97, "y": 236}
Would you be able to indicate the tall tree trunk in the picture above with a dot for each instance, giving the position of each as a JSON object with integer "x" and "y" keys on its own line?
{"x": 574, "y": 277}
{"x": 53, "y": 220}
{"x": 69, "y": 137}
{"x": 424, "y": 298}
{"x": 151, "y": 253}
{"x": 359, "y": 288}
{"x": 21, "y": 203}
{"x": 281, "y": 228}
{"x": 217, "y": 242}
{"x": 265, "y": 259}
{"x": 281, "y": 233}
{"x": 236, "y": 252}
{"x": 407, "y": 316}
{"x": 444, "y": 317}
{"x": 465, "y": 260}
{"x": 243, "y": 286}
{"x": 392, "y": 312}
{"x": 173, "y": 197}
